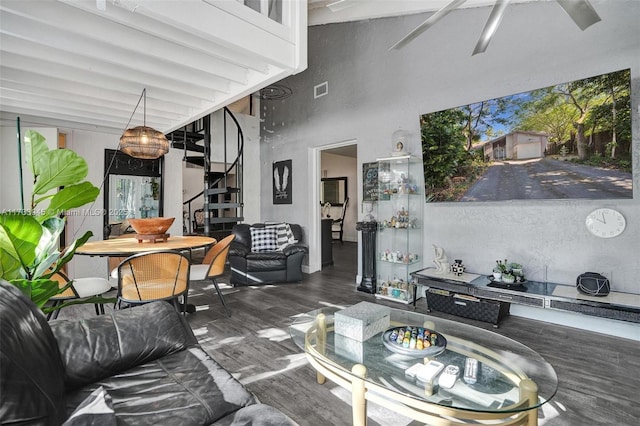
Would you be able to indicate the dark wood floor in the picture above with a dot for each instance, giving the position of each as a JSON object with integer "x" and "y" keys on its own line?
{"x": 599, "y": 375}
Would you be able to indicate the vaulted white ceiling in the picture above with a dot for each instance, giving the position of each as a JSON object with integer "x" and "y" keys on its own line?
{"x": 84, "y": 63}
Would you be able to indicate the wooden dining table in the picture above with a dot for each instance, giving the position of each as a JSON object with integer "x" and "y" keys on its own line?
{"x": 117, "y": 249}
{"x": 123, "y": 247}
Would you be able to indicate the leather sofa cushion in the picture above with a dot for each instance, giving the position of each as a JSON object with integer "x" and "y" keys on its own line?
{"x": 31, "y": 371}
{"x": 242, "y": 231}
{"x": 198, "y": 391}
{"x": 114, "y": 343}
{"x": 266, "y": 261}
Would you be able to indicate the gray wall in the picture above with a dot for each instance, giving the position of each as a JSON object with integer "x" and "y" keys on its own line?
{"x": 373, "y": 92}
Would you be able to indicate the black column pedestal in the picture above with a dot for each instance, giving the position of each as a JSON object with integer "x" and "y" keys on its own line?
{"x": 368, "y": 229}
{"x": 327, "y": 242}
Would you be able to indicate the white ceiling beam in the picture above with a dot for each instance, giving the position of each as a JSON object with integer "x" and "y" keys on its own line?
{"x": 256, "y": 81}
{"x": 105, "y": 74}
{"x": 229, "y": 30}
{"x": 39, "y": 82}
{"x": 66, "y": 61}
{"x": 67, "y": 27}
{"x": 63, "y": 114}
{"x": 161, "y": 108}
{"x": 175, "y": 35}
{"x": 120, "y": 111}
{"x": 8, "y": 118}
{"x": 129, "y": 68}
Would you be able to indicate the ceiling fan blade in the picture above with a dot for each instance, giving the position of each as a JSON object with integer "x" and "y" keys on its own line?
{"x": 427, "y": 24}
{"x": 581, "y": 11}
{"x": 491, "y": 26}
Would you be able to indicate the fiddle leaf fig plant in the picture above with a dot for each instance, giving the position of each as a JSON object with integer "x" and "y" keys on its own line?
{"x": 29, "y": 240}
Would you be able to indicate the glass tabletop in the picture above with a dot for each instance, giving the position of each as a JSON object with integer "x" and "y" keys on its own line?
{"x": 502, "y": 363}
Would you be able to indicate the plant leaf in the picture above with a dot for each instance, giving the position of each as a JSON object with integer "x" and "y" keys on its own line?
{"x": 39, "y": 291}
{"x": 71, "y": 197}
{"x": 71, "y": 250}
{"x": 20, "y": 237}
{"x": 36, "y": 150}
{"x": 49, "y": 242}
{"x": 10, "y": 265}
{"x": 60, "y": 167}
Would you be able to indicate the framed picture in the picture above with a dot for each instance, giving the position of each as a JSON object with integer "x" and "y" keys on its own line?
{"x": 370, "y": 181}
{"x": 282, "y": 182}
{"x": 568, "y": 141}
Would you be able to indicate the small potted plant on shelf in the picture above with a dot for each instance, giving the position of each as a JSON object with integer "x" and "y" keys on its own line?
{"x": 516, "y": 269}
{"x": 508, "y": 278}
{"x": 500, "y": 269}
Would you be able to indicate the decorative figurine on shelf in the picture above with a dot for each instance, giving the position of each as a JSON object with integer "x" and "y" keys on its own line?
{"x": 457, "y": 268}
{"x": 326, "y": 208}
{"x": 368, "y": 208}
{"x": 399, "y": 138}
{"x": 441, "y": 261}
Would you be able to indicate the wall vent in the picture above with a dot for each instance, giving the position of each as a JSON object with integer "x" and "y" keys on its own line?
{"x": 320, "y": 90}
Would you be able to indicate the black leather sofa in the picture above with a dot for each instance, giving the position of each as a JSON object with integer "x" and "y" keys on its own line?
{"x": 138, "y": 366}
{"x": 249, "y": 267}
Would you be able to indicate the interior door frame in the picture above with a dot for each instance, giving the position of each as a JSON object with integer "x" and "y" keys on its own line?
{"x": 315, "y": 214}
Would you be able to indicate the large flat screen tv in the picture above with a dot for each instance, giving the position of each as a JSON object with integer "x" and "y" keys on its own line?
{"x": 568, "y": 141}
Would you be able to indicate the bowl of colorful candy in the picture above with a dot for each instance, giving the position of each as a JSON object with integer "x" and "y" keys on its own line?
{"x": 414, "y": 341}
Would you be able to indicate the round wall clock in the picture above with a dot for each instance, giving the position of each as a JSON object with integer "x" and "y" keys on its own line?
{"x": 605, "y": 223}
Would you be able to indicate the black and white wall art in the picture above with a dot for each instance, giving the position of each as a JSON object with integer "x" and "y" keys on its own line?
{"x": 282, "y": 182}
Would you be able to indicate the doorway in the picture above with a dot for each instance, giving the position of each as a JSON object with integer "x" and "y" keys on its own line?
{"x": 339, "y": 160}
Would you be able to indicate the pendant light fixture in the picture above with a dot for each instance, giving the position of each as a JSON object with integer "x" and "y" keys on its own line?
{"x": 142, "y": 141}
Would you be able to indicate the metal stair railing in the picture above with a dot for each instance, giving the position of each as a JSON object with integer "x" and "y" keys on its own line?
{"x": 211, "y": 189}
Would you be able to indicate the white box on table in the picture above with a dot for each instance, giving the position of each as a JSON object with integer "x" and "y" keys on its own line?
{"x": 361, "y": 321}
{"x": 349, "y": 348}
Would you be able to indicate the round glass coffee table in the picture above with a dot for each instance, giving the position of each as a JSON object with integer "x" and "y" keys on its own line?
{"x": 498, "y": 379}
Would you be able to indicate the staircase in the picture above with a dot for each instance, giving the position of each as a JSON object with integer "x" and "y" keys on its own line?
{"x": 222, "y": 191}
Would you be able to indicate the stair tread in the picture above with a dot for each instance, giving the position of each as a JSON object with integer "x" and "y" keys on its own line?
{"x": 224, "y": 219}
{"x": 214, "y": 191}
{"x": 215, "y": 206}
{"x": 190, "y": 146}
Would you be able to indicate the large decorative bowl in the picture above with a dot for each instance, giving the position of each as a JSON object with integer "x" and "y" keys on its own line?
{"x": 151, "y": 225}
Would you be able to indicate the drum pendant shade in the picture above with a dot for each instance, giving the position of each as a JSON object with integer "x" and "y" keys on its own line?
{"x": 142, "y": 141}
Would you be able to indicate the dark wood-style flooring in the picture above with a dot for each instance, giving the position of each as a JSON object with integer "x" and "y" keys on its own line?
{"x": 599, "y": 375}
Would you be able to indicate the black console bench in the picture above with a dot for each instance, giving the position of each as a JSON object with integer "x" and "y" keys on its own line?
{"x": 477, "y": 297}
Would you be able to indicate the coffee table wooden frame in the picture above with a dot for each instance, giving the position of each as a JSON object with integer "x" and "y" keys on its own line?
{"x": 423, "y": 411}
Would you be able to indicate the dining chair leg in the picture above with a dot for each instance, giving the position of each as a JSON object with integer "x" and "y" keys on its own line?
{"x": 185, "y": 306}
{"x": 57, "y": 311}
{"x": 224, "y": 304}
{"x": 53, "y": 314}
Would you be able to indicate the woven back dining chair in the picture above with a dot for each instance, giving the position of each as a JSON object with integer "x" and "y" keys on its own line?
{"x": 80, "y": 288}
{"x": 213, "y": 266}
{"x": 158, "y": 275}
{"x": 337, "y": 226}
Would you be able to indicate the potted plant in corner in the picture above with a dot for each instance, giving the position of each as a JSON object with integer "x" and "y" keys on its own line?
{"x": 29, "y": 240}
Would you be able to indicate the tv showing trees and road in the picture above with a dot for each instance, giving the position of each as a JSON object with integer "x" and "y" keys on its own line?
{"x": 568, "y": 141}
